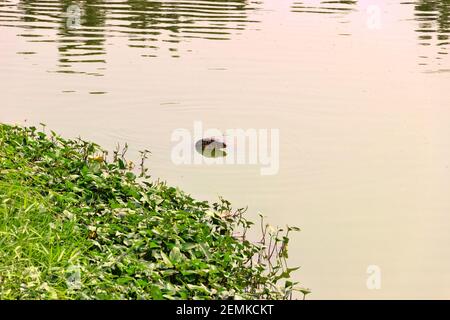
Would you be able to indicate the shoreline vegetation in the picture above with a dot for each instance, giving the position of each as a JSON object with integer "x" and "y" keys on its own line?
{"x": 74, "y": 225}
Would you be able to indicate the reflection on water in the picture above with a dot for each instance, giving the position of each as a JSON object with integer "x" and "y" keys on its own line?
{"x": 335, "y": 9}
{"x": 326, "y": 7}
{"x": 159, "y": 27}
{"x": 148, "y": 25}
{"x": 433, "y": 17}
{"x": 84, "y": 43}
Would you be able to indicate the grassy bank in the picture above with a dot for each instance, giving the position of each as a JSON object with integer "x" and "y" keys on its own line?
{"x": 76, "y": 226}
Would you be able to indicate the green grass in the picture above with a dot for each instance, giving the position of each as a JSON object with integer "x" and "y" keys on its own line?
{"x": 76, "y": 226}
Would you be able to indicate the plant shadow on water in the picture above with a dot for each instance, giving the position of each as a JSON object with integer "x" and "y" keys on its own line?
{"x": 81, "y": 34}
{"x": 325, "y": 7}
{"x": 433, "y": 18}
{"x": 150, "y": 26}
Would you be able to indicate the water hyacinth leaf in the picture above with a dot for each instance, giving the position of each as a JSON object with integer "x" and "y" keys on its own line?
{"x": 156, "y": 293}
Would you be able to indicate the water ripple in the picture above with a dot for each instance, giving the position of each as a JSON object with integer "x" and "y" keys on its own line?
{"x": 81, "y": 30}
{"x": 433, "y": 29}
{"x": 325, "y": 7}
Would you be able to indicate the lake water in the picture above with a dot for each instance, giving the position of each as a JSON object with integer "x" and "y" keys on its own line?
{"x": 359, "y": 91}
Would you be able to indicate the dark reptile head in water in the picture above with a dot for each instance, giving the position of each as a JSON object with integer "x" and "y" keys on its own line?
{"x": 211, "y": 147}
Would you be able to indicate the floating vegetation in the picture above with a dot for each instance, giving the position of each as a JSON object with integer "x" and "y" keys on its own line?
{"x": 211, "y": 148}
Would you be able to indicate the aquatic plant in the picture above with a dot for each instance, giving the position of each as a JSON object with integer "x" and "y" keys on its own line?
{"x": 74, "y": 225}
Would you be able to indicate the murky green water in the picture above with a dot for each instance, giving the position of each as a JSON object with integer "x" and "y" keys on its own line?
{"x": 359, "y": 91}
